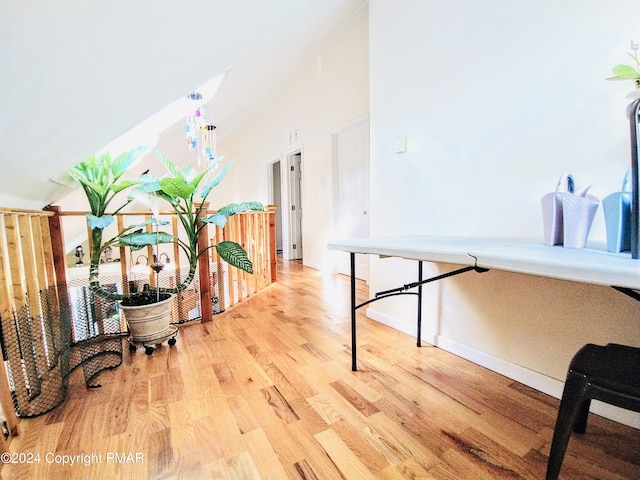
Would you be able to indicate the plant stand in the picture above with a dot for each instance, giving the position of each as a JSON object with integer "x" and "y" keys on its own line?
{"x": 149, "y": 344}
{"x": 150, "y": 324}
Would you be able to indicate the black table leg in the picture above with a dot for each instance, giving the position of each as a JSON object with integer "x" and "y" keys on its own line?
{"x": 419, "y": 339}
{"x": 400, "y": 291}
{"x": 354, "y": 366}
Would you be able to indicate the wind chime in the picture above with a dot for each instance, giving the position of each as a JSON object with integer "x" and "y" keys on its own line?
{"x": 200, "y": 134}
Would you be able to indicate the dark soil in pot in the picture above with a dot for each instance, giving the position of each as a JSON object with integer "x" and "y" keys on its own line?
{"x": 144, "y": 298}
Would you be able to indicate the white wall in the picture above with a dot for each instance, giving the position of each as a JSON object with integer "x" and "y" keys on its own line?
{"x": 330, "y": 91}
{"x": 498, "y": 99}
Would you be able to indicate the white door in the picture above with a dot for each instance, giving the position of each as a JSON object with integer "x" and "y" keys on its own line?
{"x": 351, "y": 161}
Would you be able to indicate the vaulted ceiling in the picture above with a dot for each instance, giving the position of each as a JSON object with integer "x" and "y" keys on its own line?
{"x": 75, "y": 75}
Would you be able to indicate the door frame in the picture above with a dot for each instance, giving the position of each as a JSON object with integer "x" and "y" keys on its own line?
{"x": 291, "y": 200}
{"x": 271, "y": 164}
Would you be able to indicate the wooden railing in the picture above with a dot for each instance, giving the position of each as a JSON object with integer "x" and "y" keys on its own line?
{"x": 39, "y": 339}
{"x": 217, "y": 281}
{"x": 26, "y": 271}
{"x": 255, "y": 231}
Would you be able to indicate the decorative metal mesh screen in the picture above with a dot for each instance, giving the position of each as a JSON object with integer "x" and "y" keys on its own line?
{"x": 42, "y": 344}
{"x": 36, "y": 346}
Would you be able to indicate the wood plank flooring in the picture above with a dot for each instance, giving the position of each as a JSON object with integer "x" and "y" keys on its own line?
{"x": 265, "y": 391}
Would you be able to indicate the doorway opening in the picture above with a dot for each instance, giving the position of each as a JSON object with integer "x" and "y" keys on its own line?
{"x": 276, "y": 199}
{"x": 294, "y": 179}
{"x": 286, "y": 193}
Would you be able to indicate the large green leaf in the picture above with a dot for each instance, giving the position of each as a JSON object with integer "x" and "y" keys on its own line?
{"x": 217, "y": 219}
{"x": 99, "y": 222}
{"x": 625, "y": 71}
{"x": 235, "y": 255}
{"x": 173, "y": 170}
{"x": 176, "y": 187}
{"x": 78, "y": 174}
{"x": 146, "y": 238}
{"x": 123, "y": 185}
{"x": 89, "y": 173}
{"x": 123, "y": 161}
{"x": 220, "y": 217}
{"x": 234, "y": 208}
{"x": 216, "y": 180}
{"x": 98, "y": 188}
{"x": 148, "y": 187}
{"x": 195, "y": 179}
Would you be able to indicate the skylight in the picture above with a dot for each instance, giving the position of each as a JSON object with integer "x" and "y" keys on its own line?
{"x": 148, "y": 132}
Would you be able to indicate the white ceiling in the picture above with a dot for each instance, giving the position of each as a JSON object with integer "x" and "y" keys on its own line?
{"x": 74, "y": 75}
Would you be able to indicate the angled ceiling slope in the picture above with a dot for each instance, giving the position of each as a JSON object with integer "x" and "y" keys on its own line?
{"x": 76, "y": 75}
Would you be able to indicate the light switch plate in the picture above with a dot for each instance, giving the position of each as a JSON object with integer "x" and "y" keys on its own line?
{"x": 401, "y": 144}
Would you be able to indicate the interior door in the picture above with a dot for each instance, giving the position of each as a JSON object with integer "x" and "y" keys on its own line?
{"x": 351, "y": 159}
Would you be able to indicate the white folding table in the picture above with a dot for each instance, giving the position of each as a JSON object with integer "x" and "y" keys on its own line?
{"x": 617, "y": 270}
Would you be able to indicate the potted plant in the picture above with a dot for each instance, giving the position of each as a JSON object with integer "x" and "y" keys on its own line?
{"x": 101, "y": 177}
{"x": 629, "y": 72}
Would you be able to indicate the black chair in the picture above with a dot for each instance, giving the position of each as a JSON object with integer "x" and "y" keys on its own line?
{"x": 608, "y": 373}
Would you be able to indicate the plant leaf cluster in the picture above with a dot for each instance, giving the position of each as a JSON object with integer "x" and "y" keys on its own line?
{"x": 101, "y": 178}
{"x": 628, "y": 72}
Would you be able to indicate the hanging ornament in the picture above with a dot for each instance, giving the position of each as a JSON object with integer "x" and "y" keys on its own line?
{"x": 200, "y": 134}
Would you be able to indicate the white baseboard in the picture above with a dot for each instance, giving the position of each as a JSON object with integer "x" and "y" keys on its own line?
{"x": 410, "y": 328}
{"x": 313, "y": 265}
{"x": 533, "y": 379}
{"x": 530, "y": 378}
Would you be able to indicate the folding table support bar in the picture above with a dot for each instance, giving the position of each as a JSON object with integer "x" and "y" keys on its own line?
{"x": 394, "y": 292}
{"x": 635, "y": 294}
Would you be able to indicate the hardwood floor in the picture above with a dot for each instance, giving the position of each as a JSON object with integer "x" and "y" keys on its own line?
{"x": 266, "y": 391}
